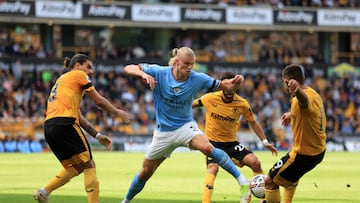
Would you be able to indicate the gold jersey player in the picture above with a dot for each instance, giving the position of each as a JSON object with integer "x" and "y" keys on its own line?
{"x": 62, "y": 127}
{"x": 308, "y": 121}
{"x": 223, "y": 111}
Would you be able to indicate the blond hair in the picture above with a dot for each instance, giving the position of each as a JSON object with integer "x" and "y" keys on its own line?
{"x": 178, "y": 52}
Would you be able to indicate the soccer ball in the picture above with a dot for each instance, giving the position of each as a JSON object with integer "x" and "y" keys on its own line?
{"x": 257, "y": 186}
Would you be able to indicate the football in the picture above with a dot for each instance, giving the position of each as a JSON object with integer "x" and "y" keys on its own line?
{"x": 257, "y": 186}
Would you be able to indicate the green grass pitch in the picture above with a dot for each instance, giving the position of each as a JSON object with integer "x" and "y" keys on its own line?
{"x": 178, "y": 180}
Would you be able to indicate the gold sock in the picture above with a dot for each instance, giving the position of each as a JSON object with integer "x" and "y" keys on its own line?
{"x": 91, "y": 185}
{"x": 272, "y": 196}
{"x": 289, "y": 194}
{"x": 208, "y": 188}
{"x": 63, "y": 176}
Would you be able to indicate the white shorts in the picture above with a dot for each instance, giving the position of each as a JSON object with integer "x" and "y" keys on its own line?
{"x": 164, "y": 143}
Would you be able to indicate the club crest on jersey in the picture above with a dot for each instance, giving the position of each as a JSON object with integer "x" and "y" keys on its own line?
{"x": 88, "y": 78}
{"x": 235, "y": 110}
{"x": 176, "y": 89}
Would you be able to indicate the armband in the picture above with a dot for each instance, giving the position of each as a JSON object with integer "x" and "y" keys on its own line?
{"x": 265, "y": 141}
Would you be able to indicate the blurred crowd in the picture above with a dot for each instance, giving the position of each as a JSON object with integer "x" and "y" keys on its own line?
{"x": 219, "y": 46}
{"x": 21, "y": 144}
{"x": 23, "y": 101}
{"x": 107, "y": 43}
{"x": 23, "y": 94}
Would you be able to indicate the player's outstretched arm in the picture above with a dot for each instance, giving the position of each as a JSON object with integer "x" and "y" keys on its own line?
{"x": 286, "y": 119}
{"x": 231, "y": 84}
{"x": 295, "y": 89}
{"x": 261, "y": 135}
{"x": 136, "y": 70}
{"x": 103, "y": 139}
{"x": 105, "y": 104}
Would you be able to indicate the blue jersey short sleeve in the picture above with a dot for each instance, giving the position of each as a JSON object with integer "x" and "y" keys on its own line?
{"x": 173, "y": 99}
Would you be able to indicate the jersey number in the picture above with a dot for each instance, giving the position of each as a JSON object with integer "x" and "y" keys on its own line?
{"x": 239, "y": 147}
{"x": 53, "y": 93}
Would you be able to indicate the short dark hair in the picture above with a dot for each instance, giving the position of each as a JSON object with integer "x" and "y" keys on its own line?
{"x": 227, "y": 75}
{"x": 294, "y": 71}
{"x": 81, "y": 58}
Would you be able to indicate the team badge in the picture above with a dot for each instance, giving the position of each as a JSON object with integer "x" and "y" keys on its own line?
{"x": 250, "y": 111}
{"x": 176, "y": 89}
{"x": 88, "y": 78}
{"x": 235, "y": 110}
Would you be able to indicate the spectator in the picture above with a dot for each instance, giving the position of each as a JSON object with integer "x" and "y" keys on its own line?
{"x": 2, "y": 147}
{"x": 138, "y": 52}
{"x": 330, "y": 135}
{"x": 10, "y": 144}
{"x": 25, "y": 97}
{"x": 346, "y": 128}
{"x": 35, "y": 145}
{"x": 23, "y": 144}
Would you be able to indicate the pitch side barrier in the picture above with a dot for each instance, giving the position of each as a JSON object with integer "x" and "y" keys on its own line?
{"x": 30, "y": 65}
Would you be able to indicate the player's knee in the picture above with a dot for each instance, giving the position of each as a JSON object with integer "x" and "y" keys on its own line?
{"x": 207, "y": 149}
{"x": 269, "y": 184}
{"x": 256, "y": 166}
{"x": 213, "y": 168}
{"x": 291, "y": 187}
{"x": 289, "y": 184}
{"x": 146, "y": 173}
{"x": 83, "y": 166}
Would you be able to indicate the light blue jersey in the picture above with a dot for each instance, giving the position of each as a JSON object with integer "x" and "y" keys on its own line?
{"x": 173, "y": 99}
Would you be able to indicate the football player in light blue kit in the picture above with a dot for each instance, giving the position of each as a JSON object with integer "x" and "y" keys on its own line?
{"x": 174, "y": 89}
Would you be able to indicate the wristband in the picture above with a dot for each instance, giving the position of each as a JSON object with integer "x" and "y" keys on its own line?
{"x": 265, "y": 141}
{"x": 97, "y": 135}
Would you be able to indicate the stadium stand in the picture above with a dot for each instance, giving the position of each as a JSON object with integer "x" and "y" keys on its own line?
{"x": 32, "y": 48}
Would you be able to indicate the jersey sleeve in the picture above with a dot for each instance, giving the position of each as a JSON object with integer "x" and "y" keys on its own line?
{"x": 84, "y": 81}
{"x": 203, "y": 100}
{"x": 208, "y": 82}
{"x": 248, "y": 114}
{"x": 151, "y": 69}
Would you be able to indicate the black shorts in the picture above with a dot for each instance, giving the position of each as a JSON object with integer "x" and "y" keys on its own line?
{"x": 291, "y": 167}
{"x": 235, "y": 150}
{"x": 68, "y": 142}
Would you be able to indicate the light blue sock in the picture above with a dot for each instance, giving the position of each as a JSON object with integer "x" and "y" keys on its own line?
{"x": 135, "y": 187}
{"x": 221, "y": 158}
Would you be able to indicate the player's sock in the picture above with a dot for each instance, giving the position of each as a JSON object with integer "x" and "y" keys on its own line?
{"x": 63, "y": 176}
{"x": 135, "y": 187}
{"x": 289, "y": 194}
{"x": 245, "y": 194}
{"x": 91, "y": 184}
{"x": 221, "y": 158}
{"x": 208, "y": 188}
{"x": 272, "y": 196}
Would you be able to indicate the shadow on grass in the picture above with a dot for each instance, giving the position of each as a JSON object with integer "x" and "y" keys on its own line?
{"x": 337, "y": 200}
{"x": 23, "y": 198}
